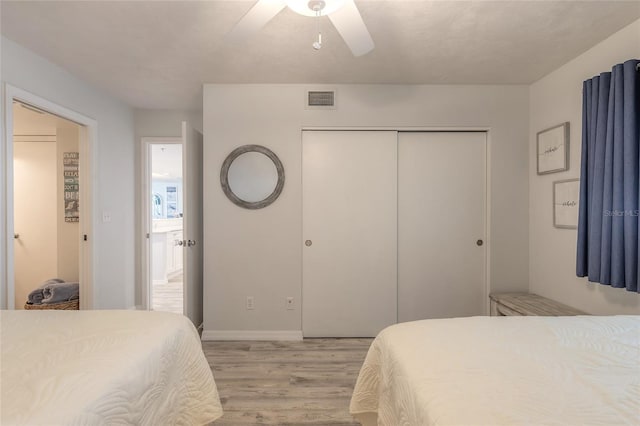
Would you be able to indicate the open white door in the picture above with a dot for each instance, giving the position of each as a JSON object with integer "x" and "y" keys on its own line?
{"x": 192, "y": 222}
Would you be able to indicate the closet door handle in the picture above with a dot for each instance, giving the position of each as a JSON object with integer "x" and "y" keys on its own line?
{"x": 479, "y": 242}
{"x": 308, "y": 243}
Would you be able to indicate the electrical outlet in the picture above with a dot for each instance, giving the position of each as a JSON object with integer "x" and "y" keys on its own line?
{"x": 106, "y": 216}
{"x": 289, "y": 303}
{"x": 249, "y": 302}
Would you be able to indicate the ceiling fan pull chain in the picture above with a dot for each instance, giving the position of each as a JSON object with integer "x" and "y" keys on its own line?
{"x": 318, "y": 44}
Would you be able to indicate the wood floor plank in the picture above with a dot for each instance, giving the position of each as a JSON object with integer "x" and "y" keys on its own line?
{"x": 309, "y": 417}
{"x": 286, "y": 383}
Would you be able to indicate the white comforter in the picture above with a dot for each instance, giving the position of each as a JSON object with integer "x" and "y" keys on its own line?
{"x": 503, "y": 371}
{"x": 103, "y": 367}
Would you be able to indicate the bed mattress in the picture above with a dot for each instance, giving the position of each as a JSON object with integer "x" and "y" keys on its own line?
{"x": 103, "y": 367}
{"x": 503, "y": 371}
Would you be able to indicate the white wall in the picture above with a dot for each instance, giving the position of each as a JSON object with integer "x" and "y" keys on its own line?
{"x": 164, "y": 123}
{"x": 258, "y": 253}
{"x": 555, "y": 99}
{"x": 114, "y": 246}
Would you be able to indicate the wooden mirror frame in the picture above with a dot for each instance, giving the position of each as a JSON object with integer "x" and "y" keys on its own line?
{"x": 224, "y": 177}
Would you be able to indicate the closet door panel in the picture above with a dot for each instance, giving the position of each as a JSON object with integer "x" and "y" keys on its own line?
{"x": 349, "y": 232}
{"x": 35, "y": 216}
{"x": 441, "y": 219}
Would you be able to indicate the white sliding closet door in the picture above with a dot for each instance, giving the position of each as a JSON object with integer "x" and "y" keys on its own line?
{"x": 441, "y": 222}
{"x": 35, "y": 216}
{"x": 350, "y": 228}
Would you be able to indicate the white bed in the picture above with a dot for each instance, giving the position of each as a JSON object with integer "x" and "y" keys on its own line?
{"x": 581, "y": 370}
{"x": 103, "y": 367}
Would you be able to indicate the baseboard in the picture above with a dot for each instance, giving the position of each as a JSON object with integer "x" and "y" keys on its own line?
{"x": 252, "y": 335}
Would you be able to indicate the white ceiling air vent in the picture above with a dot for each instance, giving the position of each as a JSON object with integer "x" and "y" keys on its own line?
{"x": 317, "y": 99}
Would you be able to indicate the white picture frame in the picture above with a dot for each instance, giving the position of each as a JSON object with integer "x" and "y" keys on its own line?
{"x": 552, "y": 149}
{"x": 566, "y": 197}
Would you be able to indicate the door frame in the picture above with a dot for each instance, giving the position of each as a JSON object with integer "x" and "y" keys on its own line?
{"x": 145, "y": 209}
{"x": 487, "y": 184}
{"x": 88, "y": 137}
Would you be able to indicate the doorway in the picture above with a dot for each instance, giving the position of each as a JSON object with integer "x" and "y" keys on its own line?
{"x": 46, "y": 200}
{"x": 164, "y": 191}
{"x": 182, "y": 200}
{"x": 48, "y": 215}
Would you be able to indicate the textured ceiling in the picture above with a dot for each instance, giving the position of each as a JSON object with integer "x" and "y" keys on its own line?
{"x": 158, "y": 54}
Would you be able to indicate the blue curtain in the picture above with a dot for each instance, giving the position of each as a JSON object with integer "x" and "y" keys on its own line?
{"x": 608, "y": 236}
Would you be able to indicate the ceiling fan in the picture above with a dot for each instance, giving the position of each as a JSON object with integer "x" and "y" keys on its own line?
{"x": 343, "y": 14}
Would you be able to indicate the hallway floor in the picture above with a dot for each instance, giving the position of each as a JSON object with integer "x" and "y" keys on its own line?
{"x": 168, "y": 297}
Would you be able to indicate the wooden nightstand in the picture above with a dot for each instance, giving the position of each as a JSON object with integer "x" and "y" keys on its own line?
{"x": 524, "y": 304}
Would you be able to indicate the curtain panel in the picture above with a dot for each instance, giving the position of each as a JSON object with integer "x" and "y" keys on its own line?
{"x": 609, "y": 178}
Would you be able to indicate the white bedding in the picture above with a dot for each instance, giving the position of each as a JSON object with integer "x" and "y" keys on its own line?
{"x": 103, "y": 367}
{"x": 503, "y": 371}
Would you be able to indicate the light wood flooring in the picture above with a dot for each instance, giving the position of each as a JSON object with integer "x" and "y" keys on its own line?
{"x": 286, "y": 383}
{"x": 168, "y": 297}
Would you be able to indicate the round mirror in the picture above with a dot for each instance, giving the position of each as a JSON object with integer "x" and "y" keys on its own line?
{"x": 252, "y": 176}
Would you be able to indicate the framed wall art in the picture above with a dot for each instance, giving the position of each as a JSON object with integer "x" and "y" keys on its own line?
{"x": 566, "y": 194}
{"x": 552, "y": 149}
{"x": 70, "y": 162}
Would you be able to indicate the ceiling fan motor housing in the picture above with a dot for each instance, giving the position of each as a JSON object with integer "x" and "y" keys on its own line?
{"x": 316, "y": 5}
{"x": 312, "y": 7}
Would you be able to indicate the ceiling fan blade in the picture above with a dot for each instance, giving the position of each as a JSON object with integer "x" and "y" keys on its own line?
{"x": 351, "y": 27}
{"x": 256, "y": 18}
